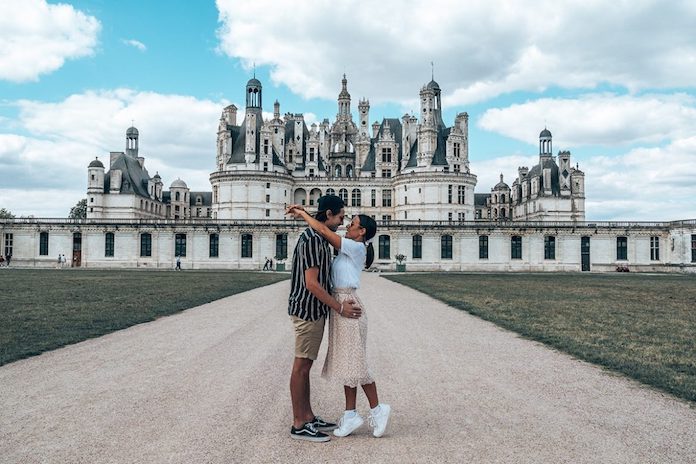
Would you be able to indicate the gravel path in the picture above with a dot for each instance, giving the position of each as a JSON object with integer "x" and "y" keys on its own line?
{"x": 211, "y": 385}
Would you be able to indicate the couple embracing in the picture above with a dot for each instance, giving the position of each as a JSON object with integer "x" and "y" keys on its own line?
{"x": 324, "y": 290}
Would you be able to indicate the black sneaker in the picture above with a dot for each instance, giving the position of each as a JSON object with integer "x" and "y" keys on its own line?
{"x": 308, "y": 432}
{"x": 321, "y": 424}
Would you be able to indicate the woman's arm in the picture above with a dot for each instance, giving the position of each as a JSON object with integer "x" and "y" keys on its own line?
{"x": 332, "y": 237}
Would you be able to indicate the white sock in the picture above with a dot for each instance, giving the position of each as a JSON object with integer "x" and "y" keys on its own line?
{"x": 350, "y": 413}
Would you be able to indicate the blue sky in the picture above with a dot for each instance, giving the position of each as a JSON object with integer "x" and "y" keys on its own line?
{"x": 611, "y": 80}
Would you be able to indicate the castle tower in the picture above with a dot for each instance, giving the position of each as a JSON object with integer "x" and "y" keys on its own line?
{"x": 253, "y": 112}
{"x": 344, "y": 102}
{"x": 364, "y": 109}
{"x": 132, "y": 142}
{"x": 545, "y": 148}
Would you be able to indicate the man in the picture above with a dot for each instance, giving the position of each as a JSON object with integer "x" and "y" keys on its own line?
{"x": 308, "y": 306}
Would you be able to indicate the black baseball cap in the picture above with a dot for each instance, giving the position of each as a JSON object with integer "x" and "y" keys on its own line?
{"x": 330, "y": 202}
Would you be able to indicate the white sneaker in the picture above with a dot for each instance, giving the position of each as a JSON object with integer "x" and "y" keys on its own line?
{"x": 346, "y": 426}
{"x": 379, "y": 420}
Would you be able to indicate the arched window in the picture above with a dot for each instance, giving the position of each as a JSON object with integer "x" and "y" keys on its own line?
{"x": 349, "y": 171}
{"x": 446, "y": 247}
{"x": 355, "y": 198}
{"x": 176, "y": 196}
{"x": 330, "y": 191}
{"x": 384, "y": 247}
{"x": 337, "y": 171}
{"x": 43, "y": 244}
{"x": 145, "y": 245}
{"x": 247, "y": 245}
{"x": 109, "y": 244}
{"x": 343, "y": 195}
{"x": 417, "y": 247}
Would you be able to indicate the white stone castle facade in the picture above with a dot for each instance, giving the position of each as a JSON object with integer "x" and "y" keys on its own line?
{"x": 411, "y": 174}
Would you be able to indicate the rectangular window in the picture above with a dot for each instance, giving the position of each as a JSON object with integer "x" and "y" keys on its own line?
{"x": 461, "y": 216}
{"x": 180, "y": 245}
{"x": 109, "y": 245}
{"x": 265, "y": 167}
{"x": 621, "y": 248}
{"x": 449, "y": 216}
{"x": 43, "y": 244}
{"x": 373, "y": 198}
{"x": 446, "y": 247}
{"x": 247, "y": 245}
{"x": 9, "y": 239}
{"x": 281, "y": 246}
{"x": 386, "y": 172}
{"x": 311, "y": 172}
{"x": 268, "y": 198}
{"x": 693, "y": 248}
{"x": 386, "y": 198}
{"x": 483, "y": 246}
{"x": 214, "y": 246}
{"x": 384, "y": 251}
{"x": 549, "y": 247}
{"x": 654, "y": 248}
{"x": 268, "y": 213}
{"x": 355, "y": 198}
{"x": 311, "y": 154}
{"x": 265, "y": 146}
{"x": 386, "y": 155}
{"x": 461, "y": 190}
{"x": 516, "y": 247}
{"x": 457, "y": 168}
{"x": 449, "y": 194}
{"x": 386, "y": 217}
{"x": 417, "y": 247}
{"x": 145, "y": 245}
{"x": 457, "y": 149}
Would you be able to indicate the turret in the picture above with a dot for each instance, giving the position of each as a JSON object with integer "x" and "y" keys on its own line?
{"x": 132, "y": 142}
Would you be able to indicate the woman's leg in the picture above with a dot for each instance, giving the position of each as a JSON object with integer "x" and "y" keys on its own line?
{"x": 351, "y": 393}
{"x": 370, "y": 390}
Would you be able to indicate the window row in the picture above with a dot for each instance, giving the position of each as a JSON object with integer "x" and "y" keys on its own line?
{"x": 384, "y": 246}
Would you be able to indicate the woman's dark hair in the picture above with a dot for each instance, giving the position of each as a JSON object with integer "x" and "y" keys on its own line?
{"x": 370, "y": 226}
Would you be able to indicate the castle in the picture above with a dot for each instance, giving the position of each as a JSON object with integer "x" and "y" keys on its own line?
{"x": 399, "y": 169}
{"x": 412, "y": 174}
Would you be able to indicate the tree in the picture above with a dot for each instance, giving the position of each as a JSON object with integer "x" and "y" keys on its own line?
{"x": 6, "y": 214}
{"x": 79, "y": 211}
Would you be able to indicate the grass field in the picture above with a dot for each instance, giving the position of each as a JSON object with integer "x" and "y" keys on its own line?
{"x": 42, "y": 310}
{"x": 643, "y": 326}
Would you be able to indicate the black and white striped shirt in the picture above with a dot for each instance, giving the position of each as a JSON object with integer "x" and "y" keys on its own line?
{"x": 312, "y": 250}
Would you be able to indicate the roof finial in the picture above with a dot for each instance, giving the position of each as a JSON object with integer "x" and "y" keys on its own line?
{"x": 254, "y": 69}
{"x": 432, "y": 71}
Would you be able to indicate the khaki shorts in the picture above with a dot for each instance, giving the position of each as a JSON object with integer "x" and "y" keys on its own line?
{"x": 308, "y": 335}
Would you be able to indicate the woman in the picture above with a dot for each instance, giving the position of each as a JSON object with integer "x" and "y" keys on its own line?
{"x": 346, "y": 359}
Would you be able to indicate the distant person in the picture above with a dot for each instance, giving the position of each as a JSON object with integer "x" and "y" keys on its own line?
{"x": 2, "y": 261}
{"x": 9, "y": 258}
{"x": 346, "y": 359}
{"x": 178, "y": 263}
{"x": 265, "y": 264}
{"x": 270, "y": 264}
{"x": 308, "y": 305}
{"x": 60, "y": 262}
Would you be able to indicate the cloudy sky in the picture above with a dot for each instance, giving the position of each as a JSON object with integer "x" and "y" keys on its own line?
{"x": 612, "y": 80}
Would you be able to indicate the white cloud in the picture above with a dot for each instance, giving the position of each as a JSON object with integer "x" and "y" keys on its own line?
{"x": 480, "y": 48}
{"x": 36, "y": 37}
{"x": 177, "y": 138}
{"x": 654, "y": 184}
{"x": 135, "y": 43}
{"x": 596, "y": 119}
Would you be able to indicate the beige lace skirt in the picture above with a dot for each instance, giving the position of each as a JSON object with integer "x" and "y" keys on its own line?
{"x": 346, "y": 358}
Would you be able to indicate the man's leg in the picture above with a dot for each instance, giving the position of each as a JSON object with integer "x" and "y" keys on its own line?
{"x": 299, "y": 392}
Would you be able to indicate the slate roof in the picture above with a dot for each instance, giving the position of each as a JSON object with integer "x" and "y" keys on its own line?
{"x": 481, "y": 198}
{"x": 134, "y": 178}
{"x": 206, "y": 198}
{"x": 239, "y": 142}
{"x": 537, "y": 171}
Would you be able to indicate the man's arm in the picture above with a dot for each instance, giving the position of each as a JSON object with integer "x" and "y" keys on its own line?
{"x": 350, "y": 309}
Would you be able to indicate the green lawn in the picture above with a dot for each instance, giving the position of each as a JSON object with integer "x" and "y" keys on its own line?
{"x": 643, "y": 326}
{"x": 41, "y": 310}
